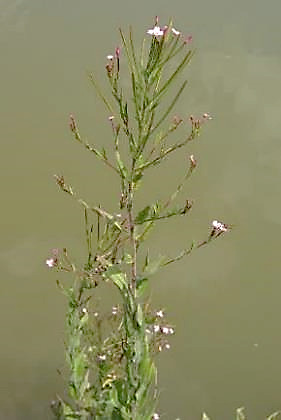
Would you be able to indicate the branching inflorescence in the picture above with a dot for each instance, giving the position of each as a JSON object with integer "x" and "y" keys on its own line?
{"x": 112, "y": 373}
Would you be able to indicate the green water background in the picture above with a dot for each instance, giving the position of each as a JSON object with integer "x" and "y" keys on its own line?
{"x": 224, "y": 299}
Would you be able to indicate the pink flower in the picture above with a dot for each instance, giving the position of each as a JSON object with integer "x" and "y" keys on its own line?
{"x": 219, "y": 226}
{"x": 156, "y": 31}
{"x": 50, "y": 262}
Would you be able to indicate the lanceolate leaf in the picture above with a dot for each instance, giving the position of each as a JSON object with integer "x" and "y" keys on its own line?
{"x": 170, "y": 107}
{"x": 106, "y": 102}
{"x": 142, "y": 215}
{"x": 142, "y": 284}
{"x": 117, "y": 276}
{"x": 154, "y": 265}
{"x": 184, "y": 62}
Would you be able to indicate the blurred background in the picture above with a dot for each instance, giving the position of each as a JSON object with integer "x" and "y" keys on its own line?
{"x": 224, "y": 299}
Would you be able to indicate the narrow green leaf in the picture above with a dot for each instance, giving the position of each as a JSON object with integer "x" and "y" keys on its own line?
{"x": 121, "y": 166}
{"x": 137, "y": 178}
{"x": 68, "y": 412}
{"x": 118, "y": 278}
{"x": 80, "y": 365}
{"x": 146, "y": 261}
{"x": 170, "y": 107}
{"x": 101, "y": 212}
{"x": 85, "y": 384}
{"x": 101, "y": 95}
{"x": 139, "y": 315}
{"x": 142, "y": 53}
{"x": 116, "y": 415}
{"x": 103, "y": 152}
{"x": 134, "y": 57}
{"x": 142, "y": 215}
{"x": 136, "y": 99}
{"x": 125, "y": 113}
{"x": 113, "y": 396}
{"x": 125, "y": 414}
{"x": 142, "y": 285}
{"x": 141, "y": 395}
{"x": 154, "y": 265}
{"x": 183, "y": 63}
{"x": 154, "y": 52}
{"x": 121, "y": 391}
{"x": 141, "y": 236}
{"x": 172, "y": 51}
{"x": 113, "y": 269}
{"x": 73, "y": 392}
{"x": 127, "y": 50}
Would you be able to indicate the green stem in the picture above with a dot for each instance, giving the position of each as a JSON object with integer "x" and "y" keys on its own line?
{"x": 132, "y": 236}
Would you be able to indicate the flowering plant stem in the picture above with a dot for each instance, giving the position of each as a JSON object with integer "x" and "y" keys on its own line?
{"x": 111, "y": 355}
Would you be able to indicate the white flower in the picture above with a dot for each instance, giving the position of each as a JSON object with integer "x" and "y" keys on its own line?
{"x": 50, "y": 262}
{"x": 114, "y": 310}
{"x": 167, "y": 330}
{"x": 156, "y": 328}
{"x": 207, "y": 116}
{"x": 156, "y": 31}
{"x": 215, "y": 224}
{"x": 160, "y": 313}
{"x": 219, "y": 226}
{"x": 155, "y": 416}
{"x": 175, "y": 32}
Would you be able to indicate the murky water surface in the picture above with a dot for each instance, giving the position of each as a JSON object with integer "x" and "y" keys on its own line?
{"x": 225, "y": 299}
